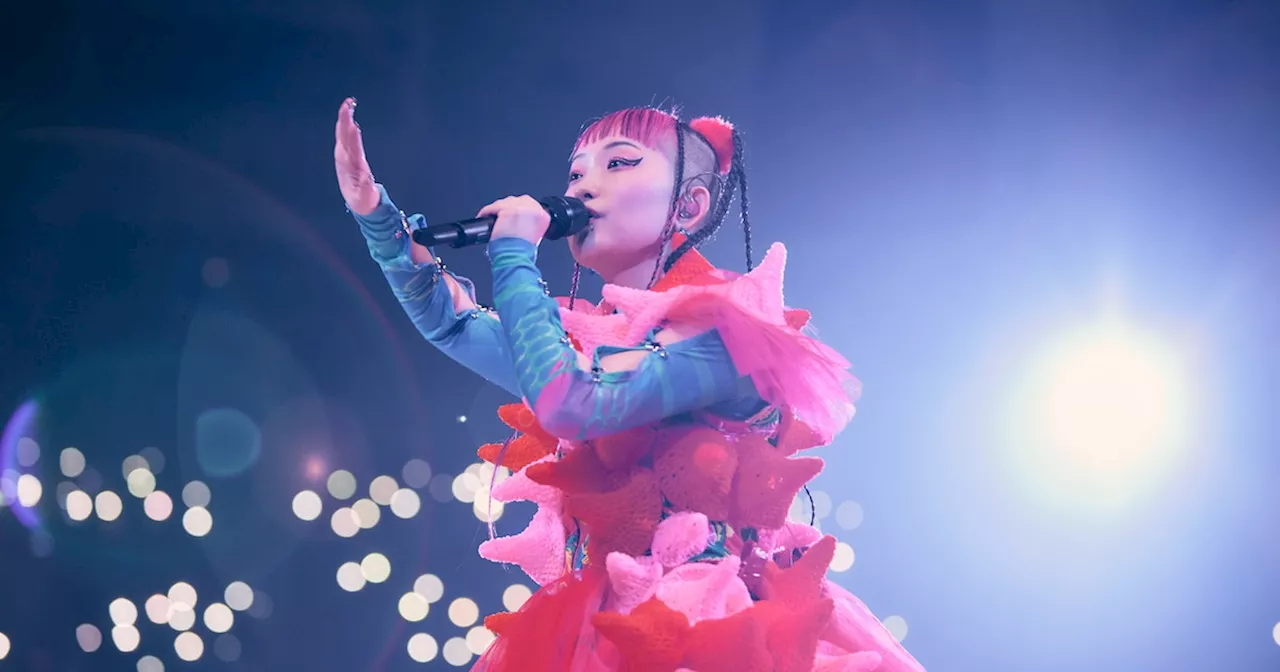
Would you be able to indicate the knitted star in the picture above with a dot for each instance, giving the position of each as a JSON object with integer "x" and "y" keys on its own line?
{"x": 766, "y": 483}
{"x": 705, "y": 590}
{"x": 520, "y": 452}
{"x": 680, "y": 537}
{"x": 634, "y": 580}
{"x": 696, "y": 471}
{"x": 794, "y": 435}
{"x": 538, "y": 549}
{"x": 733, "y": 644}
{"x": 590, "y": 331}
{"x": 623, "y": 519}
{"x": 579, "y": 470}
{"x": 651, "y": 638}
{"x": 533, "y": 444}
{"x": 801, "y": 583}
{"x": 758, "y": 293}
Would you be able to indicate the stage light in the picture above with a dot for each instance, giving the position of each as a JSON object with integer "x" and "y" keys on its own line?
{"x": 1101, "y": 417}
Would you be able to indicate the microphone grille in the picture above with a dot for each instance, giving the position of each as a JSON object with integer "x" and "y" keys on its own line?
{"x": 568, "y": 216}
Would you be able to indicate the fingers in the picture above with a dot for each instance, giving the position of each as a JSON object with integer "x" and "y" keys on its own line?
{"x": 493, "y": 208}
{"x": 510, "y": 203}
{"x": 347, "y": 131}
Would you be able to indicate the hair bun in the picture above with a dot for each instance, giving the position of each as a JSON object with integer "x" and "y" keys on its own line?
{"x": 719, "y": 132}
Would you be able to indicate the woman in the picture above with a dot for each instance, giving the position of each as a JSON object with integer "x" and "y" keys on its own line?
{"x": 659, "y": 428}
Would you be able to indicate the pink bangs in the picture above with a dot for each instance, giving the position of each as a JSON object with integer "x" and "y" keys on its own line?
{"x": 646, "y": 125}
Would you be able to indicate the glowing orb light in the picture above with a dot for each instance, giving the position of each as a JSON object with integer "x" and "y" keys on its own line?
{"x": 1102, "y": 417}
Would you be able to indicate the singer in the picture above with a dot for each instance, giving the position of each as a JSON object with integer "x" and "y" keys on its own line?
{"x": 660, "y": 428}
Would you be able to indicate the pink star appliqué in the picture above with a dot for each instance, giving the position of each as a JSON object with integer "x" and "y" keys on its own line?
{"x": 758, "y": 293}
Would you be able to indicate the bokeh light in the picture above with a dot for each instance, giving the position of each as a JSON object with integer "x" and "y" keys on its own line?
{"x": 189, "y": 646}
{"x": 238, "y": 595}
{"x": 375, "y": 567}
{"x": 182, "y": 617}
{"x": 367, "y": 513}
{"x": 197, "y": 521}
{"x": 456, "y": 652}
{"x": 307, "y": 505}
{"x": 382, "y": 488}
{"x": 27, "y": 452}
{"x": 405, "y": 503}
{"x": 4, "y": 646}
{"x": 132, "y": 464}
{"x": 218, "y": 618}
{"x": 79, "y": 505}
{"x": 341, "y": 485}
{"x": 71, "y": 462}
{"x": 150, "y": 664}
{"x": 350, "y": 577}
{"x": 29, "y": 490}
{"x": 849, "y": 515}
{"x": 344, "y": 522}
{"x": 126, "y": 638}
{"x": 227, "y": 442}
{"x": 89, "y": 637}
{"x": 416, "y": 473}
{"x": 196, "y": 493}
{"x": 843, "y": 558}
{"x": 108, "y": 505}
{"x": 155, "y": 459}
{"x": 423, "y": 647}
{"x": 515, "y": 596}
{"x": 465, "y": 486}
{"x": 157, "y": 609}
{"x": 479, "y": 639}
{"x": 897, "y": 626}
{"x": 183, "y": 593}
{"x": 123, "y": 612}
{"x": 430, "y": 587}
{"x": 158, "y": 506}
{"x": 463, "y": 612}
{"x": 413, "y": 607}
{"x": 141, "y": 482}
{"x": 227, "y": 648}
{"x": 441, "y": 488}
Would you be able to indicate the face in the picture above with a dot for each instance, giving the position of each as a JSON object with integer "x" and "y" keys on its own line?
{"x": 628, "y": 186}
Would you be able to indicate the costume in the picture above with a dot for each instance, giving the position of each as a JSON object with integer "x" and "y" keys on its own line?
{"x": 661, "y": 540}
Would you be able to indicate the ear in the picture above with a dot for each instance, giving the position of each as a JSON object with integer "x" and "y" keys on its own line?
{"x": 693, "y": 208}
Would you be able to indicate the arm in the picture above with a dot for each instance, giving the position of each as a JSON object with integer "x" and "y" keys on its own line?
{"x": 442, "y": 306}
{"x": 568, "y": 398}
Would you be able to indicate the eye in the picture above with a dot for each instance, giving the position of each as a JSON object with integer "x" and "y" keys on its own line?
{"x": 615, "y": 163}
{"x": 575, "y": 176}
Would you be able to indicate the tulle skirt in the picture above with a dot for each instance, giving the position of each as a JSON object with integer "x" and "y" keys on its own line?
{"x": 577, "y": 624}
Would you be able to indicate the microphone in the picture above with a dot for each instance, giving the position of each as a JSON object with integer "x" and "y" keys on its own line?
{"x": 568, "y": 216}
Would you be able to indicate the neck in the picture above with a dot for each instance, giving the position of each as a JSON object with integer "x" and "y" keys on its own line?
{"x": 637, "y": 276}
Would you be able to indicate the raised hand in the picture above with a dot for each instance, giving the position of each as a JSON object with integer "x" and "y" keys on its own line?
{"x": 355, "y": 178}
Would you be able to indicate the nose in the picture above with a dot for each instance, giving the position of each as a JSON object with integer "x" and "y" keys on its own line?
{"x": 584, "y": 188}
{"x": 581, "y": 193}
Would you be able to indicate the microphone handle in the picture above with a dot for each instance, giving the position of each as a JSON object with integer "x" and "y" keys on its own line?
{"x": 457, "y": 234}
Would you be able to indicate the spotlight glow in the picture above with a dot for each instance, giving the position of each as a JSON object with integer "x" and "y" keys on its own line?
{"x": 1102, "y": 417}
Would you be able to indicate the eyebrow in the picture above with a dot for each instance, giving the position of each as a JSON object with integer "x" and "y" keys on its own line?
{"x": 615, "y": 143}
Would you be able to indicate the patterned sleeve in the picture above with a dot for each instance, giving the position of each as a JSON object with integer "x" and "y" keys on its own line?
{"x": 575, "y": 404}
{"x": 473, "y": 337}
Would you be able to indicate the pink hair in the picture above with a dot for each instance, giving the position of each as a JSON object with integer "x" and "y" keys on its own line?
{"x": 719, "y": 133}
{"x": 646, "y": 125}
{"x": 650, "y": 127}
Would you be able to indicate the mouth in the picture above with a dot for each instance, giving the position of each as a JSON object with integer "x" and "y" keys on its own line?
{"x": 592, "y": 216}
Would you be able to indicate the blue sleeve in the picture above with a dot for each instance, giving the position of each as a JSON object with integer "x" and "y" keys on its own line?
{"x": 473, "y": 338}
{"x": 574, "y": 404}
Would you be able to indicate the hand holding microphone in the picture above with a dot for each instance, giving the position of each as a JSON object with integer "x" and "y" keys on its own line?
{"x": 524, "y": 217}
